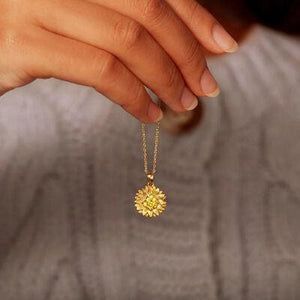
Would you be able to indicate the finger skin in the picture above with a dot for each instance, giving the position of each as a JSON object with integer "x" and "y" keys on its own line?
{"x": 45, "y": 54}
{"x": 171, "y": 33}
{"x": 121, "y": 36}
{"x": 201, "y": 23}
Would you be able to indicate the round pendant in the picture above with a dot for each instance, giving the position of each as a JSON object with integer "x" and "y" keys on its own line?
{"x": 150, "y": 201}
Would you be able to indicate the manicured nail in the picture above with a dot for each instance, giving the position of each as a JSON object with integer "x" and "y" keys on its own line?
{"x": 224, "y": 39}
{"x": 209, "y": 85}
{"x": 188, "y": 99}
{"x": 154, "y": 112}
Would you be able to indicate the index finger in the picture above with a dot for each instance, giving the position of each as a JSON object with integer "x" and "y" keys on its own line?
{"x": 173, "y": 36}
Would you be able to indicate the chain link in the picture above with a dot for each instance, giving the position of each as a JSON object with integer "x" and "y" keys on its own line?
{"x": 144, "y": 142}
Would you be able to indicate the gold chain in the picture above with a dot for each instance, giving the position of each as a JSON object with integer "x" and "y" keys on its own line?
{"x": 156, "y": 140}
{"x": 150, "y": 201}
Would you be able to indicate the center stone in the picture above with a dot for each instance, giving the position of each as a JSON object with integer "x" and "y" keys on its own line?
{"x": 151, "y": 202}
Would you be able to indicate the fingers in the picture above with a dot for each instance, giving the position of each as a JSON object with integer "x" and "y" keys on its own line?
{"x": 51, "y": 55}
{"x": 204, "y": 26}
{"x": 173, "y": 35}
{"x": 124, "y": 38}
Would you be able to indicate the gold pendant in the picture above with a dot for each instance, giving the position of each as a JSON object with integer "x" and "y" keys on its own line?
{"x": 150, "y": 201}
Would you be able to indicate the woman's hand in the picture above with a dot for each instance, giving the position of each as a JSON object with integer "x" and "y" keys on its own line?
{"x": 116, "y": 47}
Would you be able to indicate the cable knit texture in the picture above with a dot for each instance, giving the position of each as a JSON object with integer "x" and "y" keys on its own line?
{"x": 71, "y": 163}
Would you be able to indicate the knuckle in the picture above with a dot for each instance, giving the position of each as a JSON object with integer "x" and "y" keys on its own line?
{"x": 128, "y": 33}
{"x": 104, "y": 66}
{"x": 193, "y": 54}
{"x": 154, "y": 10}
{"x": 199, "y": 16}
{"x": 173, "y": 78}
{"x": 194, "y": 11}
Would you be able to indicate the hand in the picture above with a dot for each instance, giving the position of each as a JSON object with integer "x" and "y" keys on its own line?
{"x": 116, "y": 47}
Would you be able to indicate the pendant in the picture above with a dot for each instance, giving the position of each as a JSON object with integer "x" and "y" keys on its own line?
{"x": 150, "y": 201}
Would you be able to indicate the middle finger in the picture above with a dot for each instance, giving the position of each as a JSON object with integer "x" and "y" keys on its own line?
{"x": 171, "y": 32}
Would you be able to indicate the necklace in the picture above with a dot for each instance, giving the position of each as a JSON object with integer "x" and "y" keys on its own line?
{"x": 150, "y": 201}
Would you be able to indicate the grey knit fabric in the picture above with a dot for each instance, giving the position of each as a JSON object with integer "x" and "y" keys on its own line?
{"x": 71, "y": 162}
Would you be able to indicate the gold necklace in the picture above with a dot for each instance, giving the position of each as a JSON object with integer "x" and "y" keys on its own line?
{"x": 150, "y": 201}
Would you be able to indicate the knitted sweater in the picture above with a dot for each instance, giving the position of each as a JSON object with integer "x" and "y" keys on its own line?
{"x": 71, "y": 163}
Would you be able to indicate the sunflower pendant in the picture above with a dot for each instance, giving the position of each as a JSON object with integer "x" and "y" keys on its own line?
{"x": 150, "y": 201}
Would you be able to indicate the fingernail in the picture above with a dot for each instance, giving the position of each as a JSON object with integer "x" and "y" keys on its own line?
{"x": 224, "y": 39}
{"x": 209, "y": 85}
{"x": 154, "y": 112}
{"x": 188, "y": 99}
